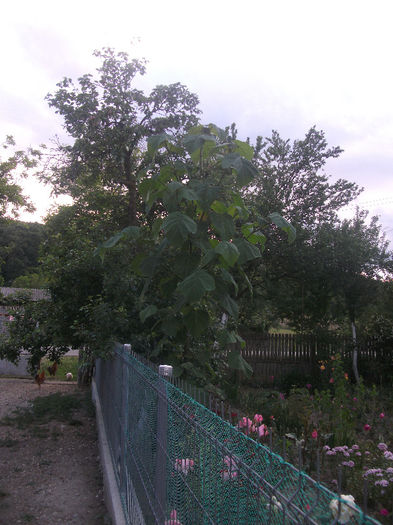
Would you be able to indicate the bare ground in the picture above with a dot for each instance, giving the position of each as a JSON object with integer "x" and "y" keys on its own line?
{"x": 49, "y": 473}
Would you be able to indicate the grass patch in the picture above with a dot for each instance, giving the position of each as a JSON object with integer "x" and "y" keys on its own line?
{"x": 67, "y": 364}
{"x": 44, "y": 409}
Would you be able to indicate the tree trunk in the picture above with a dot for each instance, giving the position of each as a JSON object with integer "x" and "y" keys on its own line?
{"x": 355, "y": 353}
{"x": 132, "y": 191}
{"x": 86, "y": 367}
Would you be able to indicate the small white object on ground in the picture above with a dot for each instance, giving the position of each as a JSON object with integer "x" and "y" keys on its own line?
{"x": 69, "y": 376}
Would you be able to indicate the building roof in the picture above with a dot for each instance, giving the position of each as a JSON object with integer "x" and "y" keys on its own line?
{"x": 35, "y": 293}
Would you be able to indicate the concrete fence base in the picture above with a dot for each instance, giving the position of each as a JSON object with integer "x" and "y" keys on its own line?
{"x": 111, "y": 490}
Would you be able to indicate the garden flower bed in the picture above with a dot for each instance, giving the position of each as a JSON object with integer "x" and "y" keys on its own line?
{"x": 338, "y": 432}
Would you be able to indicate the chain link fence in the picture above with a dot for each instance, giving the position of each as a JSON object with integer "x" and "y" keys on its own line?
{"x": 179, "y": 463}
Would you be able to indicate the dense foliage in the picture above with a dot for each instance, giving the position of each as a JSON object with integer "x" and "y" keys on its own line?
{"x": 19, "y": 252}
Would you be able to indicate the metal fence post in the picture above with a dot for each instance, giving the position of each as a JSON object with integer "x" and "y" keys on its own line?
{"x": 125, "y": 414}
{"x": 164, "y": 371}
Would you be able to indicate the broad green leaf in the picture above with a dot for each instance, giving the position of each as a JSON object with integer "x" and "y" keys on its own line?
{"x": 244, "y": 149}
{"x": 223, "y": 224}
{"x": 229, "y": 279}
{"x": 170, "y": 326}
{"x": 185, "y": 263}
{"x": 226, "y": 337}
{"x": 237, "y": 362}
{"x": 228, "y": 252}
{"x": 193, "y": 143}
{"x": 241, "y": 341}
{"x": 231, "y": 160}
{"x": 229, "y": 305}
{"x": 177, "y": 227}
{"x": 257, "y": 237}
{"x": 219, "y": 132}
{"x": 247, "y": 251}
{"x": 247, "y": 280}
{"x": 238, "y": 208}
{"x": 206, "y": 193}
{"x": 168, "y": 286}
{"x": 254, "y": 237}
{"x": 284, "y": 225}
{"x": 197, "y": 321}
{"x": 188, "y": 194}
{"x": 156, "y": 227}
{"x": 174, "y": 186}
{"x": 208, "y": 257}
{"x": 131, "y": 232}
{"x": 154, "y": 142}
{"x": 246, "y": 171}
{"x": 182, "y": 191}
{"x": 147, "y": 312}
{"x": 193, "y": 287}
{"x": 219, "y": 207}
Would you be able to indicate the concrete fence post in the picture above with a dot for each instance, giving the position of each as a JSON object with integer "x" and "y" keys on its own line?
{"x": 164, "y": 371}
{"x": 125, "y": 414}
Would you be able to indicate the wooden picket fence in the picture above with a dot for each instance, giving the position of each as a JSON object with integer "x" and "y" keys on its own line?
{"x": 274, "y": 356}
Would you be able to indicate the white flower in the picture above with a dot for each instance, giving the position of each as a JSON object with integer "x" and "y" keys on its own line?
{"x": 275, "y": 505}
{"x": 345, "y": 511}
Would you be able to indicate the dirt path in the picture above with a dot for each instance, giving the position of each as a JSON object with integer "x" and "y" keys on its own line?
{"x": 49, "y": 471}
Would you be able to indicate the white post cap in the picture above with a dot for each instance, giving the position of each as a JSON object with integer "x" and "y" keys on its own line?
{"x": 165, "y": 370}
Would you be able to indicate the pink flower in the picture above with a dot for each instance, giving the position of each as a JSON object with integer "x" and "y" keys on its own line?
{"x": 355, "y": 399}
{"x": 258, "y": 418}
{"x": 230, "y": 470}
{"x": 226, "y": 475}
{"x": 173, "y": 519}
{"x": 331, "y": 380}
{"x": 271, "y": 378}
{"x": 367, "y": 427}
{"x": 262, "y": 431}
{"x": 245, "y": 422}
{"x": 230, "y": 462}
{"x": 309, "y": 385}
{"x": 382, "y": 446}
{"x": 381, "y": 415}
{"x": 281, "y": 396}
{"x": 384, "y": 512}
{"x": 314, "y": 434}
{"x": 184, "y": 465}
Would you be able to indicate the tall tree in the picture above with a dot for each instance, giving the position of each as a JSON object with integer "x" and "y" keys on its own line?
{"x": 359, "y": 258}
{"x": 292, "y": 181}
{"x": 109, "y": 120}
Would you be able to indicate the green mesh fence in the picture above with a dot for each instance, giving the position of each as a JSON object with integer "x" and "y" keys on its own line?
{"x": 178, "y": 463}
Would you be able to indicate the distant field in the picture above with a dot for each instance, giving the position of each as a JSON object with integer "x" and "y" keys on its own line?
{"x": 281, "y": 331}
{"x": 68, "y": 364}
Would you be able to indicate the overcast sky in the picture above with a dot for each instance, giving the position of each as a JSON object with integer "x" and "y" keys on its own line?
{"x": 284, "y": 65}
